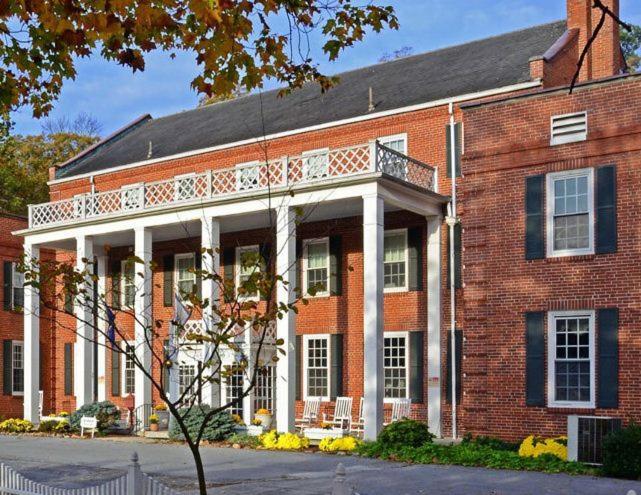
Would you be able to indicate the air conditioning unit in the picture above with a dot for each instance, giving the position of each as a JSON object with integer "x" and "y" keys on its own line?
{"x": 585, "y": 437}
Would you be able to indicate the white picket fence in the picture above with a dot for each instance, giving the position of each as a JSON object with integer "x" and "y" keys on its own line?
{"x": 135, "y": 482}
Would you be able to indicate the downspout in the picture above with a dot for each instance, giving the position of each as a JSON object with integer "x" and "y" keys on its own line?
{"x": 452, "y": 220}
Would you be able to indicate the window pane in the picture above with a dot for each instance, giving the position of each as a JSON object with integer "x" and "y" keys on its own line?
{"x": 130, "y": 372}
{"x": 317, "y": 255}
{"x": 18, "y": 367}
{"x": 395, "y": 369}
{"x": 317, "y": 368}
{"x": 394, "y": 261}
{"x": 572, "y": 366}
{"x": 234, "y": 390}
{"x": 571, "y": 232}
{"x": 264, "y": 395}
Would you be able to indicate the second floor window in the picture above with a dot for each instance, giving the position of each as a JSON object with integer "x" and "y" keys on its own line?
{"x": 128, "y": 284}
{"x": 185, "y": 275}
{"x": 13, "y": 287}
{"x": 395, "y": 261}
{"x": 316, "y": 266}
{"x": 248, "y": 263}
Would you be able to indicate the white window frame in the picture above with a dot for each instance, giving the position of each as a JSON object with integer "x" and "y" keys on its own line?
{"x": 124, "y": 283}
{"x": 549, "y": 220}
{"x": 306, "y": 244}
{"x": 128, "y": 344}
{"x": 406, "y": 336}
{"x": 313, "y": 153}
{"x": 385, "y": 140}
{"x": 240, "y": 167}
{"x": 317, "y": 336}
{"x": 559, "y": 140}
{"x": 391, "y": 233}
{"x": 183, "y": 256}
{"x": 239, "y": 251}
{"x": 177, "y": 184}
{"x": 14, "y": 344}
{"x": 551, "y": 358}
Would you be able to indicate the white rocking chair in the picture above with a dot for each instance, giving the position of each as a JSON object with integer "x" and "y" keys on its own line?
{"x": 342, "y": 417}
{"x": 401, "y": 408}
{"x": 359, "y": 425}
{"x": 310, "y": 413}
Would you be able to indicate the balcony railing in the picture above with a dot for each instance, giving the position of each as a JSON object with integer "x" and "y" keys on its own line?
{"x": 240, "y": 180}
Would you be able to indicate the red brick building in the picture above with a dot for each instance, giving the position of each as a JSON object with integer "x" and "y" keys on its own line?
{"x": 369, "y": 167}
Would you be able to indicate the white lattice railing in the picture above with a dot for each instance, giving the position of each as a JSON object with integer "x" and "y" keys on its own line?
{"x": 308, "y": 168}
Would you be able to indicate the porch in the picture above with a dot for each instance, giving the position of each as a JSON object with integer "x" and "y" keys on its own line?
{"x": 283, "y": 198}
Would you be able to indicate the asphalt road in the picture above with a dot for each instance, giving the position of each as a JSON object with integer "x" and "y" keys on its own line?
{"x": 75, "y": 463}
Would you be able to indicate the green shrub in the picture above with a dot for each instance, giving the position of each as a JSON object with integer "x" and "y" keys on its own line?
{"x": 105, "y": 412}
{"x": 405, "y": 433}
{"x": 491, "y": 442}
{"x": 622, "y": 453}
{"x": 47, "y": 425}
{"x": 248, "y": 441}
{"x": 220, "y": 426}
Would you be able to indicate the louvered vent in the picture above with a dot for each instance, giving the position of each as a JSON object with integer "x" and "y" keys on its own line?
{"x": 585, "y": 437}
{"x": 569, "y": 128}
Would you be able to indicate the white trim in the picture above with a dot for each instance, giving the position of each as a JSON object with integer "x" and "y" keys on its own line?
{"x": 182, "y": 256}
{"x": 302, "y": 130}
{"x": 406, "y": 336}
{"x": 391, "y": 290}
{"x": 239, "y": 251}
{"x": 549, "y": 215}
{"x": 123, "y": 283}
{"x": 123, "y": 372}
{"x": 306, "y": 243}
{"x": 551, "y": 359}
{"x": 306, "y": 339}
{"x": 14, "y": 344}
{"x": 306, "y": 155}
{"x": 384, "y": 140}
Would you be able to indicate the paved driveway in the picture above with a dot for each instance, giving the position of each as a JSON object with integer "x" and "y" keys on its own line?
{"x": 74, "y": 463}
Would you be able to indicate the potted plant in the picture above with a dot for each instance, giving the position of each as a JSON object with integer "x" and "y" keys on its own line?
{"x": 153, "y": 422}
{"x": 265, "y": 418}
{"x": 163, "y": 415}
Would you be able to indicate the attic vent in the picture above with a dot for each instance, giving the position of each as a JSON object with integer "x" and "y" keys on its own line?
{"x": 585, "y": 437}
{"x": 569, "y": 128}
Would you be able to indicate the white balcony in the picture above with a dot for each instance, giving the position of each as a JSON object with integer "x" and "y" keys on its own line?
{"x": 243, "y": 180}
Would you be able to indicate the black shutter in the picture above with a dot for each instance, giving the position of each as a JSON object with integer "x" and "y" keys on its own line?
{"x": 115, "y": 283}
{"x": 168, "y": 281}
{"x": 606, "y": 210}
{"x": 115, "y": 373}
{"x": 299, "y": 367}
{"x": 7, "y": 375}
{"x": 265, "y": 251}
{"x": 335, "y": 265}
{"x": 458, "y": 247}
{"x": 229, "y": 261}
{"x": 458, "y": 335}
{"x": 534, "y": 218}
{"x": 165, "y": 368}
{"x": 415, "y": 256}
{"x": 336, "y": 371}
{"x": 68, "y": 368}
{"x": 416, "y": 366}
{"x": 198, "y": 265}
{"x": 534, "y": 359}
{"x": 448, "y": 148}
{"x": 608, "y": 363}
{"x": 7, "y": 284}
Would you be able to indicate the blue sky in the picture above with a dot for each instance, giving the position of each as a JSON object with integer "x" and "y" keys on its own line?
{"x": 115, "y": 96}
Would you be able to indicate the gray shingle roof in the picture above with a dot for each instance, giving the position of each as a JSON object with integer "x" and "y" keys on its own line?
{"x": 476, "y": 66}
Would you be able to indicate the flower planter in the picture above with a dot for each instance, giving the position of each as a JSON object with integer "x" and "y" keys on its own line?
{"x": 153, "y": 427}
{"x": 315, "y": 435}
{"x": 265, "y": 420}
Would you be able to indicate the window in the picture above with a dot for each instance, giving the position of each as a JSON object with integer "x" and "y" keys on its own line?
{"x": 185, "y": 187}
{"x": 316, "y": 266}
{"x": 128, "y": 284}
{"x": 396, "y": 365}
{"x": 185, "y": 275}
{"x": 571, "y": 359}
{"x": 570, "y": 213}
{"x": 265, "y": 388}
{"x": 17, "y": 367}
{"x": 396, "y": 143}
{"x": 186, "y": 377}
{"x": 131, "y": 197}
{"x": 569, "y": 128}
{"x": 234, "y": 390}
{"x": 316, "y": 366}
{"x": 247, "y": 176}
{"x": 316, "y": 164}
{"x": 247, "y": 263}
{"x": 16, "y": 285}
{"x": 395, "y": 261}
{"x": 129, "y": 370}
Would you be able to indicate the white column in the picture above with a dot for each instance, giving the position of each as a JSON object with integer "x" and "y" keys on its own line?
{"x": 373, "y": 237}
{"x": 83, "y": 349}
{"x": 102, "y": 328}
{"x": 210, "y": 242}
{"x": 143, "y": 313}
{"x": 31, "y": 345}
{"x": 434, "y": 324}
{"x": 286, "y": 327}
{"x": 248, "y": 400}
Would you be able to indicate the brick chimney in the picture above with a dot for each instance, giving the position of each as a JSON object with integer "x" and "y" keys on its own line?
{"x": 604, "y": 58}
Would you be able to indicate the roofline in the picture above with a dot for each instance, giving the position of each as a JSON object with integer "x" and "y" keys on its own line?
{"x": 361, "y": 118}
{"x": 15, "y": 216}
{"x": 547, "y": 91}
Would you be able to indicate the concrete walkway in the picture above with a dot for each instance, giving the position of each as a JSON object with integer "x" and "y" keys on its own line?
{"x": 74, "y": 463}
